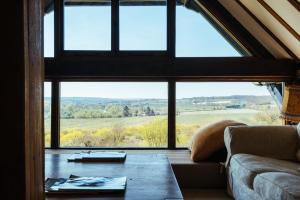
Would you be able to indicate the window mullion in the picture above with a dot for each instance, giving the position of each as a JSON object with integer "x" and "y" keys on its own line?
{"x": 171, "y": 114}
{"x": 55, "y": 114}
{"x": 58, "y": 27}
{"x": 115, "y": 26}
{"x": 171, "y": 27}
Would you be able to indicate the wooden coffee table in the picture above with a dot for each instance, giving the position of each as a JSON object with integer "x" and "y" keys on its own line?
{"x": 149, "y": 176}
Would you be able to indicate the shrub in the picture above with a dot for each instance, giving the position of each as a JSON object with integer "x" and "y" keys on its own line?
{"x": 155, "y": 132}
{"x": 268, "y": 117}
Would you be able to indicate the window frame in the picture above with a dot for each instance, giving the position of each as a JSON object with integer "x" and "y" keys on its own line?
{"x": 59, "y": 50}
{"x": 171, "y": 140}
{"x": 77, "y": 65}
{"x": 274, "y": 88}
{"x": 55, "y": 112}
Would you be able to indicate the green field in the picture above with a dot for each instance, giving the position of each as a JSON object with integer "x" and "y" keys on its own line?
{"x": 206, "y": 117}
{"x": 198, "y": 117}
{"x": 144, "y": 131}
{"x": 106, "y": 122}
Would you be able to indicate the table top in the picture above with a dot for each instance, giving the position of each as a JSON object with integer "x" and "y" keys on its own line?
{"x": 149, "y": 176}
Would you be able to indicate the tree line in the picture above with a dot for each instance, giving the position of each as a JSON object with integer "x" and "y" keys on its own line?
{"x": 71, "y": 111}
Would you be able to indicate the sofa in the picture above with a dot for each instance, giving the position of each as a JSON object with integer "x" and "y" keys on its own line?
{"x": 263, "y": 162}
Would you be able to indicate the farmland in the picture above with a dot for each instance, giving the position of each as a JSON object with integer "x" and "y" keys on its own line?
{"x": 143, "y": 122}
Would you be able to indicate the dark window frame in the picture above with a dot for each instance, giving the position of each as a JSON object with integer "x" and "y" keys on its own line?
{"x": 171, "y": 134}
{"x": 65, "y": 65}
{"x": 55, "y": 112}
{"x": 59, "y": 50}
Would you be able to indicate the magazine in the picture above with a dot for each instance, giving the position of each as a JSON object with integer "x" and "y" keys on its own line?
{"x": 84, "y": 185}
{"x": 100, "y": 156}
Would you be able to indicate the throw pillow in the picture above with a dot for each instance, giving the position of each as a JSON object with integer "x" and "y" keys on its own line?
{"x": 209, "y": 139}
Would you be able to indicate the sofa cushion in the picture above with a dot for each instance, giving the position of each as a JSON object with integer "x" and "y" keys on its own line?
{"x": 209, "y": 139}
{"x": 247, "y": 166}
{"x": 278, "y": 142}
{"x": 277, "y": 185}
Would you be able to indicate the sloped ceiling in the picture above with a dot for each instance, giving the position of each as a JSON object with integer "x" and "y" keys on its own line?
{"x": 274, "y": 23}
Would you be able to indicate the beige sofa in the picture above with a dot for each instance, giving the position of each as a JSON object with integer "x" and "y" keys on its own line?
{"x": 262, "y": 162}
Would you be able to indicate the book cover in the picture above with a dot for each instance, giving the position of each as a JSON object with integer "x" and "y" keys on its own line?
{"x": 84, "y": 185}
{"x": 102, "y": 156}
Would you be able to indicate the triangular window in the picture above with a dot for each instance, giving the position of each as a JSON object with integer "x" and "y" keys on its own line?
{"x": 197, "y": 37}
{"x": 142, "y": 26}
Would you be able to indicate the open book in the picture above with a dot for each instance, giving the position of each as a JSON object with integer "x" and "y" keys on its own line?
{"x": 84, "y": 185}
{"x": 101, "y": 156}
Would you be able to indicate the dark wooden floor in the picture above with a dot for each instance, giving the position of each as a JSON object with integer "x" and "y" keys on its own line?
{"x": 205, "y": 194}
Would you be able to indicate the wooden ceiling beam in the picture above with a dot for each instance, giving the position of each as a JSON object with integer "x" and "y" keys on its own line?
{"x": 229, "y": 68}
{"x": 295, "y": 3}
{"x": 266, "y": 29}
{"x": 279, "y": 19}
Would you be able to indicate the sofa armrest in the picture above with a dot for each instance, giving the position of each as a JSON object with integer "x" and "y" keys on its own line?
{"x": 279, "y": 142}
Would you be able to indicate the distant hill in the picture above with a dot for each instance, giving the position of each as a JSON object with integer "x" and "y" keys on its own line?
{"x": 93, "y": 107}
{"x": 248, "y": 99}
{"x": 97, "y": 100}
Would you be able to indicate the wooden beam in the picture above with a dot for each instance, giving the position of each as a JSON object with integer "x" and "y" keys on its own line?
{"x": 235, "y": 68}
{"x": 115, "y": 27}
{"x": 22, "y": 92}
{"x": 172, "y": 114}
{"x": 295, "y": 3}
{"x": 171, "y": 28}
{"x": 58, "y": 27}
{"x": 279, "y": 19}
{"x": 279, "y": 42}
{"x": 124, "y": 2}
{"x": 55, "y": 114}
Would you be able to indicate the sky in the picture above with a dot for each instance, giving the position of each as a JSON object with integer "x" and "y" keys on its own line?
{"x": 156, "y": 90}
{"x": 88, "y": 28}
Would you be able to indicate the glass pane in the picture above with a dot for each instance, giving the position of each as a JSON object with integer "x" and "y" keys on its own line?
{"x": 114, "y": 114}
{"x": 143, "y": 27}
{"x": 196, "y": 37}
{"x": 87, "y": 25}
{"x": 199, "y": 104}
{"x": 47, "y": 113}
{"x": 49, "y": 34}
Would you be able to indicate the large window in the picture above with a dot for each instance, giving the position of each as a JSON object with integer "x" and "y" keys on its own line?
{"x": 143, "y": 27}
{"x": 113, "y": 114}
{"x": 136, "y": 26}
{"x": 144, "y": 41}
{"x": 87, "y": 26}
{"x": 136, "y": 114}
{"x": 47, "y": 113}
{"x": 198, "y": 104}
